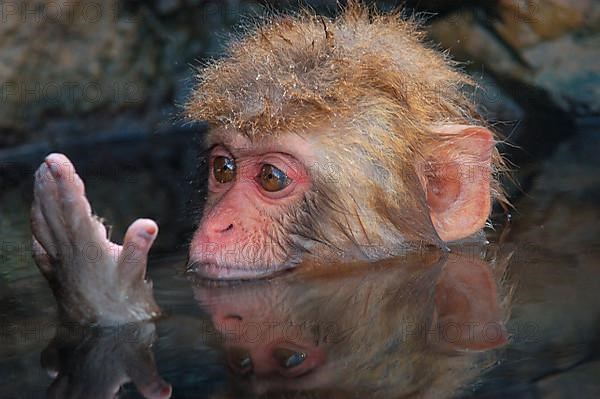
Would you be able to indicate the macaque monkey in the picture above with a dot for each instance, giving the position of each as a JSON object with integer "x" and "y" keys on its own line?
{"x": 344, "y": 139}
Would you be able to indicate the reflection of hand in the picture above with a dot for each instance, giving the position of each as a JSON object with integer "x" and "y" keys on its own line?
{"x": 94, "y": 362}
{"x": 94, "y": 280}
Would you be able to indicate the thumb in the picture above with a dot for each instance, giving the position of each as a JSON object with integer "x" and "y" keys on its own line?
{"x": 134, "y": 255}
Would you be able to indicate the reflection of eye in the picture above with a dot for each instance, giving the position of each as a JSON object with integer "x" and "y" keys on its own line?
{"x": 241, "y": 360}
{"x": 288, "y": 358}
{"x": 272, "y": 179}
{"x": 224, "y": 169}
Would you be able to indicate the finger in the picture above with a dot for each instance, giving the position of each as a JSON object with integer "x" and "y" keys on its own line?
{"x": 41, "y": 257}
{"x": 75, "y": 209}
{"x": 155, "y": 389}
{"x": 136, "y": 244}
{"x": 141, "y": 367}
{"x": 49, "y": 360}
{"x": 60, "y": 194}
{"x": 45, "y": 197}
{"x": 145, "y": 377}
{"x": 40, "y": 229}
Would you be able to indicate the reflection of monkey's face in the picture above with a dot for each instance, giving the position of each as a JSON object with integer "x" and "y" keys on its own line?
{"x": 305, "y": 329}
{"x": 344, "y": 326}
{"x": 264, "y": 347}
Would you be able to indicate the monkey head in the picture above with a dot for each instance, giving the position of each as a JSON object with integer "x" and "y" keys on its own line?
{"x": 345, "y": 139}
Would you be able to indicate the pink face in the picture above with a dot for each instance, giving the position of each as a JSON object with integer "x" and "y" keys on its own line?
{"x": 252, "y": 190}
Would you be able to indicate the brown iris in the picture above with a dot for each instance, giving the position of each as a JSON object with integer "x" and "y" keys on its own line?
{"x": 224, "y": 169}
{"x": 272, "y": 179}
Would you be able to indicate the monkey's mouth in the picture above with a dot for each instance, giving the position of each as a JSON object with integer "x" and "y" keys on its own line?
{"x": 215, "y": 271}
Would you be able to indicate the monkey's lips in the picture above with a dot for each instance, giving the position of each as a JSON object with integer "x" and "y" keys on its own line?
{"x": 216, "y": 271}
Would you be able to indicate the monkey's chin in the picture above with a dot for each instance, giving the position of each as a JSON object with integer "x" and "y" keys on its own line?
{"x": 215, "y": 271}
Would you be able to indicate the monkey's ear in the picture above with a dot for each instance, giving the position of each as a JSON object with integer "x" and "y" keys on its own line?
{"x": 468, "y": 315}
{"x": 456, "y": 176}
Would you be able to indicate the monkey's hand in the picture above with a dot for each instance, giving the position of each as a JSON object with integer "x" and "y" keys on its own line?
{"x": 93, "y": 280}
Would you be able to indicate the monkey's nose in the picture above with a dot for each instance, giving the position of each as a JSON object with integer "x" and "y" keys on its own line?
{"x": 220, "y": 230}
{"x": 229, "y": 227}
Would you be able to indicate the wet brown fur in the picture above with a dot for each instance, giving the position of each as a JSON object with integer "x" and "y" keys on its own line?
{"x": 366, "y": 89}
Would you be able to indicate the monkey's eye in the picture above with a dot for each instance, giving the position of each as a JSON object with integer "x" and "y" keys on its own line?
{"x": 224, "y": 169}
{"x": 272, "y": 179}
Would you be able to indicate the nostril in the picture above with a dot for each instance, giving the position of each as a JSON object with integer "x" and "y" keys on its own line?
{"x": 228, "y": 228}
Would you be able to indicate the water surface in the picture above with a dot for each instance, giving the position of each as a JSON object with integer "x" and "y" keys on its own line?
{"x": 348, "y": 331}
